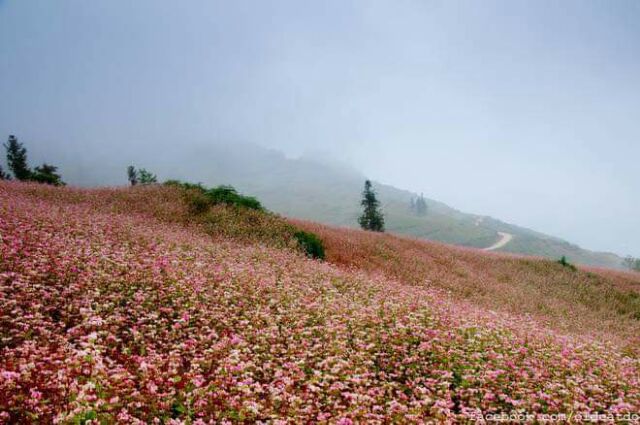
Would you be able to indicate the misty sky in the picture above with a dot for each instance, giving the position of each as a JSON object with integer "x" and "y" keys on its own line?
{"x": 525, "y": 111}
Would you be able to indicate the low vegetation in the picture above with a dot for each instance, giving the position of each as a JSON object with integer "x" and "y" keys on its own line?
{"x": 125, "y": 306}
{"x": 217, "y": 195}
{"x": 565, "y": 263}
{"x": 310, "y": 243}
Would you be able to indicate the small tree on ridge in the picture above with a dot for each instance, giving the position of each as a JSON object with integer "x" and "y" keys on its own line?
{"x": 632, "y": 263}
{"x": 146, "y": 177}
{"x": 140, "y": 176}
{"x": 132, "y": 175}
{"x": 421, "y": 206}
{"x": 17, "y": 159}
{"x": 371, "y": 218}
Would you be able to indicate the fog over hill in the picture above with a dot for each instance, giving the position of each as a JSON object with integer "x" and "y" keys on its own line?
{"x": 323, "y": 190}
{"x": 525, "y": 111}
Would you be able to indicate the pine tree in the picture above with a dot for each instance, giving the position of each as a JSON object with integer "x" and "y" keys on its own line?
{"x": 371, "y": 218}
{"x": 132, "y": 175}
{"x": 47, "y": 173}
{"x": 17, "y": 159}
{"x": 421, "y": 206}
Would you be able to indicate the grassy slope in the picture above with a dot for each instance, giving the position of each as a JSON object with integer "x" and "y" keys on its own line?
{"x": 589, "y": 300}
{"x": 528, "y": 242}
{"x": 145, "y": 316}
{"x": 330, "y": 194}
{"x": 584, "y": 301}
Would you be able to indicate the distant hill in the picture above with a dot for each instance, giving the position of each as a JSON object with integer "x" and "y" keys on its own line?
{"x": 329, "y": 192}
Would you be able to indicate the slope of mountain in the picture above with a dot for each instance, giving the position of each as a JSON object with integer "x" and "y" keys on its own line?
{"x": 330, "y": 193}
{"x": 126, "y": 306}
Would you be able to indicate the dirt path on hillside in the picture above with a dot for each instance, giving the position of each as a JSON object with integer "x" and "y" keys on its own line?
{"x": 505, "y": 238}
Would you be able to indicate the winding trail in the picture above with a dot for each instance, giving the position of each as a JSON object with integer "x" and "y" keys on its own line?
{"x": 505, "y": 238}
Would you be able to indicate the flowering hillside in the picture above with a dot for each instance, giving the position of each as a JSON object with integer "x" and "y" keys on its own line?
{"x": 595, "y": 302}
{"x": 115, "y": 308}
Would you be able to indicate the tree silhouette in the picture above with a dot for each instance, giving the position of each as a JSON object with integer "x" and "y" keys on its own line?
{"x": 17, "y": 159}
{"x": 140, "y": 176}
{"x": 371, "y": 218}
{"x": 421, "y": 206}
{"x": 132, "y": 175}
{"x": 632, "y": 263}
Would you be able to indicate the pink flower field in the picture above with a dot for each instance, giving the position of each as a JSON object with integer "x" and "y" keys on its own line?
{"x": 115, "y": 317}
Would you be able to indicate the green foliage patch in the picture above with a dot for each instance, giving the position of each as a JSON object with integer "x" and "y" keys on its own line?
{"x": 224, "y": 194}
{"x": 248, "y": 219}
{"x": 310, "y": 244}
{"x": 565, "y": 263}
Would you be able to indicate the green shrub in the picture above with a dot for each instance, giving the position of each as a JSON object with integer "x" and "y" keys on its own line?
{"x": 218, "y": 195}
{"x": 564, "y": 263}
{"x": 184, "y": 185}
{"x": 146, "y": 177}
{"x": 228, "y": 195}
{"x": 310, "y": 244}
{"x": 197, "y": 202}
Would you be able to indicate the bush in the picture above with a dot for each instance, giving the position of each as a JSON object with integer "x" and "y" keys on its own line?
{"x": 228, "y": 195}
{"x": 146, "y": 177}
{"x": 197, "y": 202}
{"x": 564, "y": 263}
{"x": 310, "y": 244}
{"x": 184, "y": 185}
{"x": 218, "y": 195}
{"x": 47, "y": 174}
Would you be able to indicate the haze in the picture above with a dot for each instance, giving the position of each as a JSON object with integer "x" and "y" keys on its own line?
{"x": 525, "y": 111}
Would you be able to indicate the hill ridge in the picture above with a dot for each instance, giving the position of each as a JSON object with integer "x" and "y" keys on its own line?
{"x": 330, "y": 193}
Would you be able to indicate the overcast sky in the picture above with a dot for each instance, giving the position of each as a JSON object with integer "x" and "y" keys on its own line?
{"x": 525, "y": 111}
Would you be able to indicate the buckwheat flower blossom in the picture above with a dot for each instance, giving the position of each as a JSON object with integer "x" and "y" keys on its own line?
{"x": 114, "y": 316}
